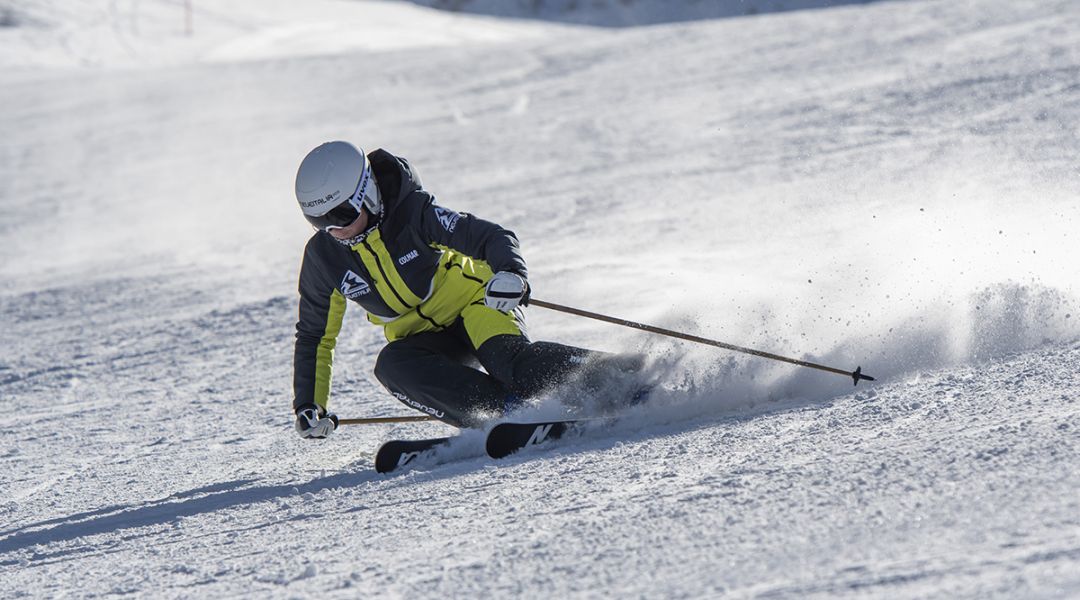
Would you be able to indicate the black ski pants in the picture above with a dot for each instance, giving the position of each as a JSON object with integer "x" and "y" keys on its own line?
{"x": 438, "y": 372}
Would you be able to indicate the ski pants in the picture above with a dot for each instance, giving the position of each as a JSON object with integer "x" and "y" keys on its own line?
{"x": 437, "y": 372}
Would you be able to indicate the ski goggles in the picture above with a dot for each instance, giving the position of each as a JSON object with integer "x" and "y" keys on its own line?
{"x": 348, "y": 211}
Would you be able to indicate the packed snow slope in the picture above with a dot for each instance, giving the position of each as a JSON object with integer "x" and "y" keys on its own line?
{"x": 892, "y": 185}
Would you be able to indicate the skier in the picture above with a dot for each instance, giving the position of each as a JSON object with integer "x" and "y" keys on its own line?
{"x": 446, "y": 287}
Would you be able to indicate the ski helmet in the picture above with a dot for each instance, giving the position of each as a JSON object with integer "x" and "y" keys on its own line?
{"x": 333, "y": 183}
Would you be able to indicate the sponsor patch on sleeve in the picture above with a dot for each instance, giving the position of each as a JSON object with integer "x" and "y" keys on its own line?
{"x": 447, "y": 218}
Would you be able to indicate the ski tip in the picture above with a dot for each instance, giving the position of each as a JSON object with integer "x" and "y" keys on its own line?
{"x": 384, "y": 463}
{"x": 386, "y": 457}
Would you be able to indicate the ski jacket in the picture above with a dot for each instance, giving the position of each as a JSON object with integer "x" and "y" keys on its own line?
{"x": 415, "y": 271}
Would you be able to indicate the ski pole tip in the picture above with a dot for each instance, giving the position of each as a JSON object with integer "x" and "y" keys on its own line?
{"x": 857, "y": 375}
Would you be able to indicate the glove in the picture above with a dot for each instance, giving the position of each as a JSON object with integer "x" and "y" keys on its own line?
{"x": 315, "y": 423}
{"x": 505, "y": 290}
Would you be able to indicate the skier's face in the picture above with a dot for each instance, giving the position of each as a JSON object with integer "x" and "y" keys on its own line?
{"x": 353, "y": 229}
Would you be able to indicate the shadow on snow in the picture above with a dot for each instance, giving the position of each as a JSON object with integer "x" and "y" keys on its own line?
{"x": 623, "y": 13}
{"x": 191, "y": 503}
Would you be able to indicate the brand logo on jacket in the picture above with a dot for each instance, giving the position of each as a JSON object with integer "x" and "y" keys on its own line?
{"x": 447, "y": 218}
{"x": 408, "y": 257}
{"x": 353, "y": 285}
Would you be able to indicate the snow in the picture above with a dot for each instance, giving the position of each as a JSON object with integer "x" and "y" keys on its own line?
{"x": 891, "y": 185}
{"x": 140, "y": 33}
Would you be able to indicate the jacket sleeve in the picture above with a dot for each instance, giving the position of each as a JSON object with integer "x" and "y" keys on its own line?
{"x": 322, "y": 309}
{"x": 468, "y": 234}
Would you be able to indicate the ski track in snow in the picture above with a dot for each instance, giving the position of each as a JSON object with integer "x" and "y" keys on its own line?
{"x": 892, "y": 185}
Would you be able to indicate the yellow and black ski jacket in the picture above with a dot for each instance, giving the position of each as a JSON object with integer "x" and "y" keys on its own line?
{"x": 416, "y": 271}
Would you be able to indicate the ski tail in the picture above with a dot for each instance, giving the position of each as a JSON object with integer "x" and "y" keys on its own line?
{"x": 396, "y": 454}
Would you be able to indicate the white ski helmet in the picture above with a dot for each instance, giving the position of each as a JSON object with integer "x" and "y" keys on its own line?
{"x": 333, "y": 183}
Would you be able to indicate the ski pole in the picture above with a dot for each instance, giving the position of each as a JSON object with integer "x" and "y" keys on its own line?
{"x": 856, "y": 375}
{"x": 373, "y": 420}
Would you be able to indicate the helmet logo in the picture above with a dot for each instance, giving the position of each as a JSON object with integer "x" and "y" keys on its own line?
{"x": 320, "y": 201}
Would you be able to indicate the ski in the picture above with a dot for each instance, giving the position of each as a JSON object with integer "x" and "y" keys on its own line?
{"x": 507, "y": 438}
{"x": 397, "y": 453}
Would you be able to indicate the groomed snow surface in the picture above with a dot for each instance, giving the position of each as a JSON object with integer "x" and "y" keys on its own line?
{"x": 892, "y": 185}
